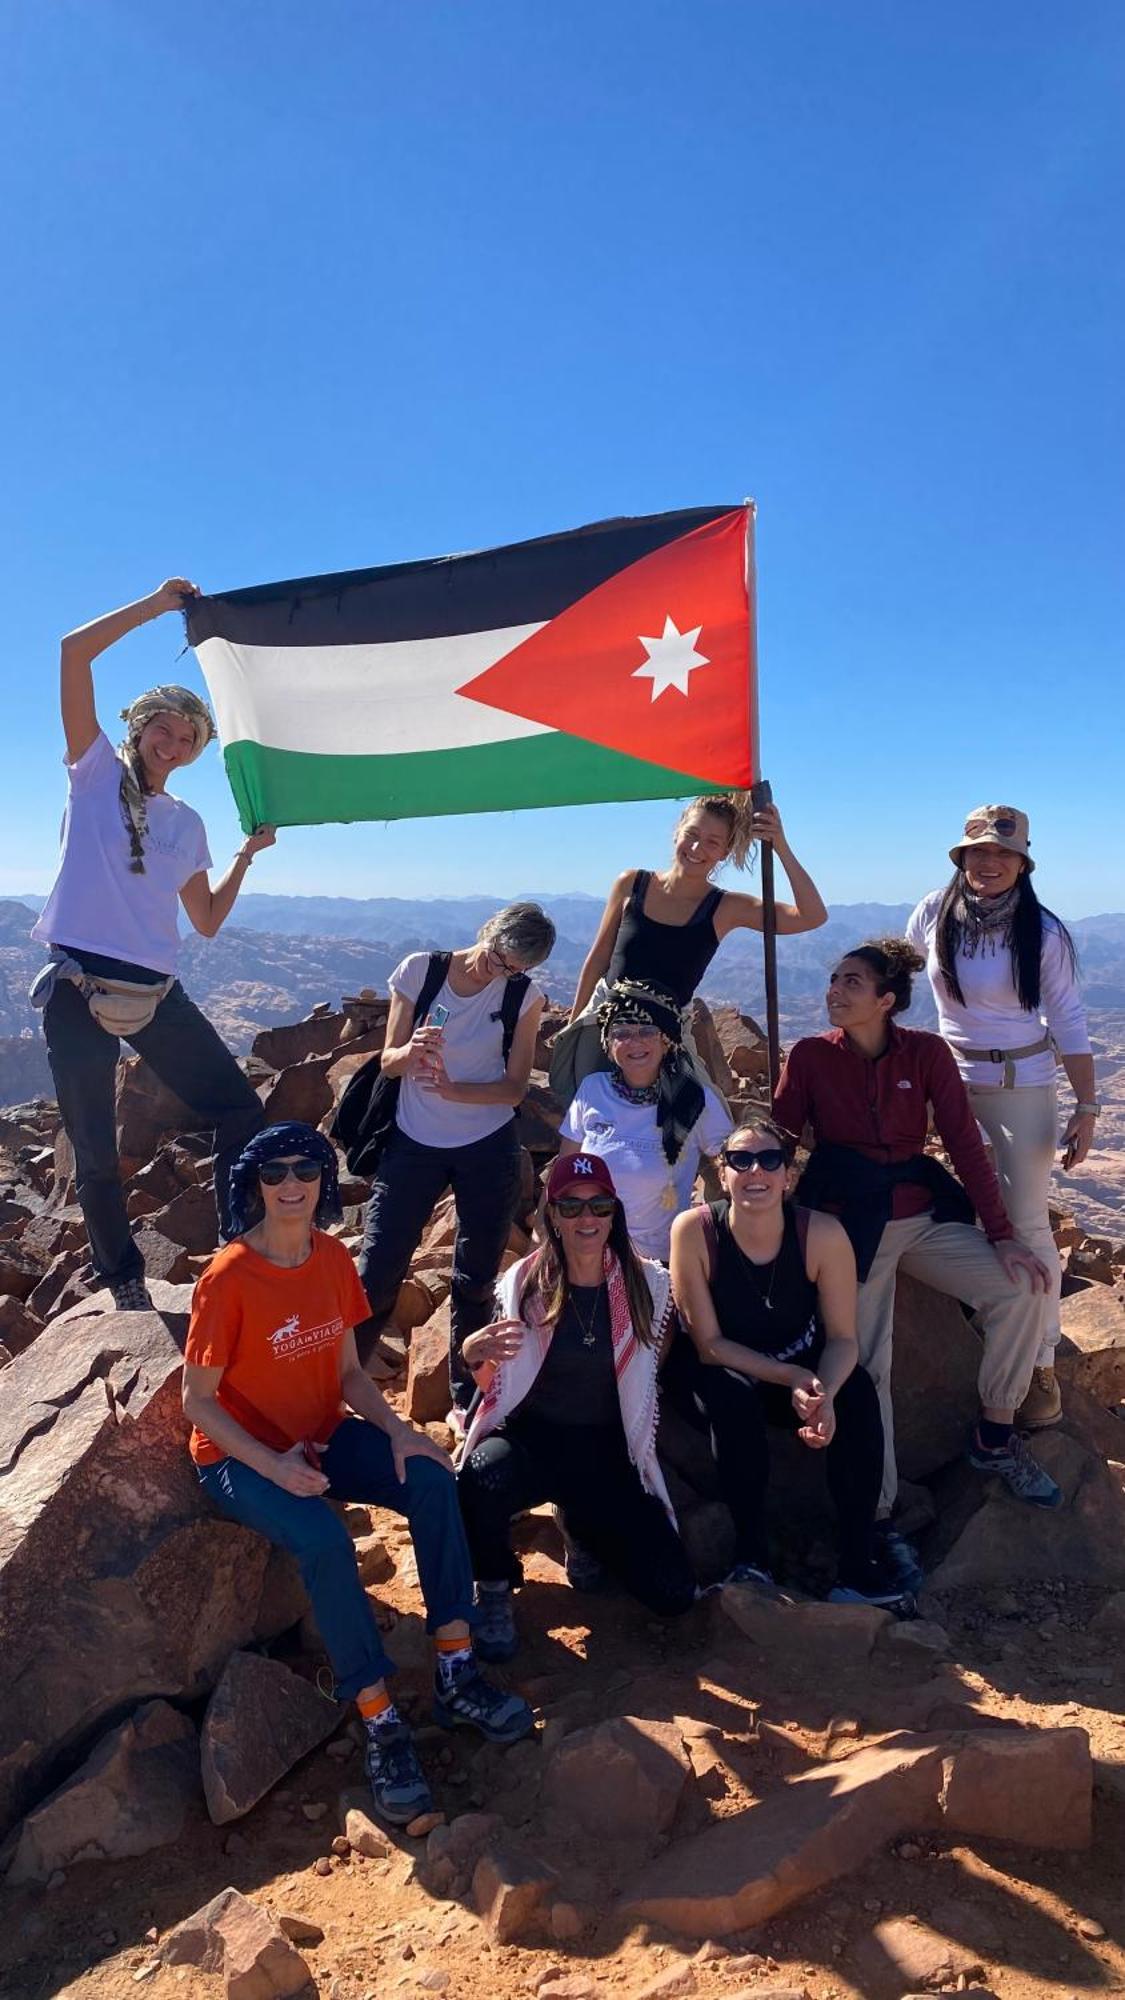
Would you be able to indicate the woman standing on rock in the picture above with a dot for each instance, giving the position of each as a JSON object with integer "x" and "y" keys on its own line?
{"x": 1005, "y": 977}
{"x": 767, "y": 1291}
{"x": 569, "y": 1407}
{"x": 664, "y": 929}
{"x": 131, "y": 855}
{"x": 648, "y": 1115}
{"x": 463, "y": 1061}
{"x": 271, "y": 1373}
{"x": 866, "y": 1091}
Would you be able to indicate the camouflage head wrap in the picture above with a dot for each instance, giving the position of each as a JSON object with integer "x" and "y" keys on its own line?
{"x": 169, "y": 700}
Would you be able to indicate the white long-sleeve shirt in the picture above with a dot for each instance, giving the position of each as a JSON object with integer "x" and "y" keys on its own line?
{"x": 992, "y": 1017}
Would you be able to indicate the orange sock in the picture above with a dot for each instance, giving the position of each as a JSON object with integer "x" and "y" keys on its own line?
{"x": 375, "y": 1706}
{"x": 464, "y": 1645}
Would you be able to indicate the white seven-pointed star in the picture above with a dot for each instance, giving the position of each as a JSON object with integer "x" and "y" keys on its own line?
{"x": 671, "y": 659}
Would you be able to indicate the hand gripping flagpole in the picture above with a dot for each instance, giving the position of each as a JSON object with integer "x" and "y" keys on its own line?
{"x": 762, "y": 795}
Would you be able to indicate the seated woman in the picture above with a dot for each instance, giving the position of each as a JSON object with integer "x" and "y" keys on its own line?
{"x": 767, "y": 1291}
{"x": 270, "y": 1376}
{"x": 664, "y": 929}
{"x": 463, "y": 1065}
{"x": 568, "y": 1411}
{"x": 866, "y": 1091}
{"x": 648, "y": 1115}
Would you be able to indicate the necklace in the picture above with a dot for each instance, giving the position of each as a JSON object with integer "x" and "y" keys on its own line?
{"x": 589, "y": 1337}
{"x": 765, "y": 1295}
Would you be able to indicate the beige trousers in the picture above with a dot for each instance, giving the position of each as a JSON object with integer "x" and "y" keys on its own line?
{"x": 1021, "y": 1128}
{"x": 957, "y": 1259}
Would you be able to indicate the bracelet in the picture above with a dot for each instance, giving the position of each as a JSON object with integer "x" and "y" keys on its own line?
{"x": 1087, "y": 1110}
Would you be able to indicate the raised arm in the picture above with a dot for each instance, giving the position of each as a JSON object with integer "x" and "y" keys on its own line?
{"x": 208, "y": 908}
{"x": 597, "y": 959}
{"x": 807, "y": 913}
{"x": 80, "y": 649}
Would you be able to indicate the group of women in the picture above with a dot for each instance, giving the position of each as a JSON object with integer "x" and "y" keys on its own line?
{"x": 760, "y": 1309}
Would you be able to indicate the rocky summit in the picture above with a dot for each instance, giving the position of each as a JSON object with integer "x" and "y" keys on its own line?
{"x": 772, "y": 1796}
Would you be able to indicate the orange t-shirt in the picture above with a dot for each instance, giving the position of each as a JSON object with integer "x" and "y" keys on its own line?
{"x": 277, "y": 1335}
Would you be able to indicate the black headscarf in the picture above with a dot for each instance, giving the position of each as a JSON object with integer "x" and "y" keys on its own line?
{"x": 679, "y": 1094}
{"x": 282, "y": 1142}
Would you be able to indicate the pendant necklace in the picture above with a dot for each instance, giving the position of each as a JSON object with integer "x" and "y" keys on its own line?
{"x": 765, "y": 1295}
{"x": 589, "y": 1336}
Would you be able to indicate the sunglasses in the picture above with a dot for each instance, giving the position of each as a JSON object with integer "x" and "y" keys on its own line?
{"x": 572, "y": 1205}
{"x": 768, "y": 1160}
{"x": 272, "y": 1172}
{"x": 630, "y": 1031}
{"x": 1004, "y": 824}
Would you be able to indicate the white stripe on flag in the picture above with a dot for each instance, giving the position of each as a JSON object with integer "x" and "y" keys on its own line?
{"x": 349, "y": 701}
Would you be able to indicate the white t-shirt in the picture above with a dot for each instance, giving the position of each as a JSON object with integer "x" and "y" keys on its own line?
{"x": 627, "y": 1137}
{"x": 473, "y": 1052}
{"x": 992, "y": 1017}
{"x": 97, "y": 903}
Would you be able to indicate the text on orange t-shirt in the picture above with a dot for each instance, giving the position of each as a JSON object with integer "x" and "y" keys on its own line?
{"x": 277, "y": 1335}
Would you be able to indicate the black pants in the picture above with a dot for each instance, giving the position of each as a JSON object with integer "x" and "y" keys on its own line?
{"x": 485, "y": 1179}
{"x": 741, "y": 1410}
{"x": 187, "y": 1054}
{"x": 588, "y": 1474}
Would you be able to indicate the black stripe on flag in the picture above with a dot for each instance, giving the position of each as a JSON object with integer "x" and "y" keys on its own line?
{"x": 523, "y": 584}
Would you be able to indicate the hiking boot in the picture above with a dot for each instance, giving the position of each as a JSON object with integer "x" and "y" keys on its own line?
{"x": 398, "y": 1785}
{"x": 875, "y": 1584}
{"x": 131, "y": 1295}
{"x": 897, "y": 1558}
{"x": 473, "y": 1703}
{"x": 1042, "y": 1405}
{"x": 758, "y": 1579}
{"x": 583, "y": 1570}
{"x": 494, "y": 1627}
{"x": 1022, "y": 1475}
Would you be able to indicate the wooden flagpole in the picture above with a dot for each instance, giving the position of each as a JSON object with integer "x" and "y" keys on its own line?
{"x": 761, "y": 795}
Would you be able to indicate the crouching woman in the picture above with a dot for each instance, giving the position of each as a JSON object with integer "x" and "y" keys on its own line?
{"x": 285, "y": 1419}
{"x": 569, "y": 1406}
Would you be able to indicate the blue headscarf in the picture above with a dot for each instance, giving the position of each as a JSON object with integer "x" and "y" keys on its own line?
{"x": 281, "y": 1142}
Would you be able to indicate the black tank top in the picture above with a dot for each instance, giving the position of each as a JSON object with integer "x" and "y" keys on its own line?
{"x": 673, "y": 956}
{"x": 788, "y": 1328}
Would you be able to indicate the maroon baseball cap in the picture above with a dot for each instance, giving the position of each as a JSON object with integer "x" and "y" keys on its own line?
{"x": 578, "y": 1170}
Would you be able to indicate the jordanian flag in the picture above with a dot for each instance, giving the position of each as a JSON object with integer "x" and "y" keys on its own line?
{"x": 614, "y": 662}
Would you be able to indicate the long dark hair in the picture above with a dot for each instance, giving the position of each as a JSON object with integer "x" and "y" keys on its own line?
{"x": 1025, "y": 942}
{"x": 547, "y": 1275}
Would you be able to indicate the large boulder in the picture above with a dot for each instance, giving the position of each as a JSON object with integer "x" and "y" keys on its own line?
{"x": 260, "y": 1721}
{"x": 240, "y": 1940}
{"x": 147, "y": 1111}
{"x": 1093, "y": 1351}
{"x": 937, "y": 1355}
{"x": 427, "y": 1381}
{"x": 117, "y": 1583}
{"x": 132, "y": 1794}
{"x": 620, "y": 1779}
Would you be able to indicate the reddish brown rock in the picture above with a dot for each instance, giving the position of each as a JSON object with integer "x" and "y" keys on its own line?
{"x": 427, "y": 1381}
{"x": 67, "y": 1280}
{"x": 1082, "y": 1541}
{"x": 916, "y": 1955}
{"x": 20, "y": 1270}
{"x": 621, "y": 1779}
{"x": 132, "y": 1794}
{"x": 1033, "y": 1786}
{"x": 189, "y": 1219}
{"x": 260, "y": 1721}
{"x": 538, "y": 1119}
{"x": 232, "y": 1936}
{"x": 18, "y": 1324}
{"x": 781, "y": 1625}
{"x": 510, "y": 1889}
{"x": 163, "y": 1258}
{"x": 302, "y": 1092}
{"x": 414, "y": 1304}
{"x": 282, "y": 1047}
{"x": 147, "y": 1111}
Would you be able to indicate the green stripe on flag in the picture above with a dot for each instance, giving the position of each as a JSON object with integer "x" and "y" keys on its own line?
{"x": 294, "y": 788}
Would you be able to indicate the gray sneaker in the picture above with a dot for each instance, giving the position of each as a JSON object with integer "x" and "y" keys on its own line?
{"x": 494, "y": 1627}
{"x": 132, "y": 1296}
{"x": 1022, "y": 1475}
{"x": 398, "y": 1785}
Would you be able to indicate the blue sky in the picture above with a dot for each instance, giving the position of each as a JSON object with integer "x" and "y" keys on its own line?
{"x": 294, "y": 289}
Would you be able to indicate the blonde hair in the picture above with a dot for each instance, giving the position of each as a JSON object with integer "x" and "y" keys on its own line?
{"x": 736, "y": 813}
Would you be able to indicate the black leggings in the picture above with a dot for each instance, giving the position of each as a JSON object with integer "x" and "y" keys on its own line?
{"x": 587, "y": 1473}
{"x": 741, "y": 1409}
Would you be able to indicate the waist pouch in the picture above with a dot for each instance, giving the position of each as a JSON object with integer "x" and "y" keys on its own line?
{"x": 120, "y": 1006}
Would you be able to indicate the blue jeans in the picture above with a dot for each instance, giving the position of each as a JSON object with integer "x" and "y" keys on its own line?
{"x": 359, "y": 1465}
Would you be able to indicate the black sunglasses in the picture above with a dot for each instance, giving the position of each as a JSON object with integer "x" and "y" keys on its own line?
{"x": 769, "y": 1160}
{"x": 571, "y": 1205}
{"x": 1002, "y": 823}
{"x": 272, "y": 1172}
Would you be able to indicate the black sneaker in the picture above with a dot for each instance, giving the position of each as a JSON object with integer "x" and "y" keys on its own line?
{"x": 131, "y": 1295}
{"x": 873, "y": 1585}
{"x": 753, "y": 1574}
{"x": 473, "y": 1703}
{"x": 897, "y": 1558}
{"x": 398, "y": 1785}
{"x": 494, "y": 1625}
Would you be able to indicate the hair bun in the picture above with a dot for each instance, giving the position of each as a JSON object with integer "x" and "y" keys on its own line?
{"x": 899, "y": 954}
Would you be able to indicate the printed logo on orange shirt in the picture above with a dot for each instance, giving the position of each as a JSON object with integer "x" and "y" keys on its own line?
{"x": 289, "y": 1341}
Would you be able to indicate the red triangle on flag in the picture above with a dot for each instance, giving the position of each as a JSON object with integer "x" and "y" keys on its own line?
{"x": 655, "y": 662}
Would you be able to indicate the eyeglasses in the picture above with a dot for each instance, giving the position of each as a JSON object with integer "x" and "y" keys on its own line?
{"x": 633, "y": 1031}
{"x": 272, "y": 1173}
{"x": 572, "y": 1205}
{"x": 768, "y": 1160}
{"x": 509, "y": 970}
{"x": 1004, "y": 824}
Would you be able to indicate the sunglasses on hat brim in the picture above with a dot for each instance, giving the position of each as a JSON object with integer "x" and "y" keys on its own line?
{"x": 769, "y": 1160}
{"x": 1005, "y": 824}
{"x": 272, "y": 1173}
{"x": 572, "y": 1205}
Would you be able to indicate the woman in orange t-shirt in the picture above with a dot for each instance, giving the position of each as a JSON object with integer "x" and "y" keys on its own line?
{"x": 284, "y": 1419}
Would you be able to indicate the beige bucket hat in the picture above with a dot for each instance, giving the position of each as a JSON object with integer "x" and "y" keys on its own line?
{"x": 995, "y": 826}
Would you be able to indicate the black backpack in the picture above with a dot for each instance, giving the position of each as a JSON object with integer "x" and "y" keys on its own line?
{"x": 365, "y": 1116}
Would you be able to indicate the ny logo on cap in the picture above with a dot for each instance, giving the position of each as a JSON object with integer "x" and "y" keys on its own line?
{"x": 582, "y": 1166}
